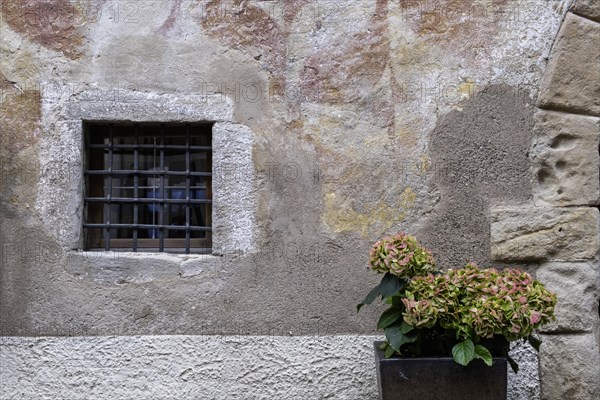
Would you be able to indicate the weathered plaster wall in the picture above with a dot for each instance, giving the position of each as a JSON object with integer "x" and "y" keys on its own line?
{"x": 366, "y": 118}
{"x": 363, "y": 118}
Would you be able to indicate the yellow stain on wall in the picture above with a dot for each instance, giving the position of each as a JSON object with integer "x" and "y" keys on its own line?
{"x": 378, "y": 218}
{"x": 375, "y": 141}
{"x": 423, "y": 165}
{"x": 467, "y": 88}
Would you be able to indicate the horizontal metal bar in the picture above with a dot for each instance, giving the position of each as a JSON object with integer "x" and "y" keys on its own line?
{"x": 145, "y": 200}
{"x": 155, "y": 187}
{"x": 150, "y": 146}
{"x": 146, "y": 226}
{"x": 167, "y": 248}
{"x": 145, "y": 173}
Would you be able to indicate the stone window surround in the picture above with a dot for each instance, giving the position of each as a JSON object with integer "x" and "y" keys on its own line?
{"x": 61, "y": 186}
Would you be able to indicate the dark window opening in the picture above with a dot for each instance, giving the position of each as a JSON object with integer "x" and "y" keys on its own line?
{"x": 148, "y": 186}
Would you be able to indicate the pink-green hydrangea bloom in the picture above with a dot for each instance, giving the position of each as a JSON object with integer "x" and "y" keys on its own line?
{"x": 481, "y": 302}
{"x": 400, "y": 255}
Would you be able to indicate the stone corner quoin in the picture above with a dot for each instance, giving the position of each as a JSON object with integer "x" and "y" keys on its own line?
{"x": 576, "y": 285}
{"x": 565, "y": 164}
{"x": 587, "y": 8}
{"x": 565, "y": 159}
{"x": 569, "y": 367}
{"x": 572, "y": 79}
{"x": 544, "y": 233}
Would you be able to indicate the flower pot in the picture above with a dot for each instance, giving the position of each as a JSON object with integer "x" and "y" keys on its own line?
{"x": 439, "y": 378}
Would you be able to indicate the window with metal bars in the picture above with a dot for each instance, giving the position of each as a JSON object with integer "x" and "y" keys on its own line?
{"x": 148, "y": 187}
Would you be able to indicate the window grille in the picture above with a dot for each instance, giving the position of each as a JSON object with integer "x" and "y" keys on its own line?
{"x": 148, "y": 186}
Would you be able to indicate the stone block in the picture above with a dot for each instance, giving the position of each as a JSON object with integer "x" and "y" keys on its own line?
{"x": 544, "y": 233}
{"x": 566, "y": 160}
{"x": 203, "y": 265}
{"x": 234, "y": 190}
{"x": 572, "y": 78}
{"x": 112, "y": 268}
{"x": 569, "y": 367}
{"x": 577, "y": 287}
{"x": 587, "y": 8}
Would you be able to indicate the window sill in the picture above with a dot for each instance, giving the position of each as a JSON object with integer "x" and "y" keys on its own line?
{"x": 116, "y": 267}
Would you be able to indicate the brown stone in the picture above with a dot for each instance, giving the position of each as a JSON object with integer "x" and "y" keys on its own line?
{"x": 565, "y": 159}
{"x": 572, "y": 78}
{"x": 587, "y": 8}
{"x": 569, "y": 367}
{"x": 539, "y": 233}
{"x": 576, "y": 286}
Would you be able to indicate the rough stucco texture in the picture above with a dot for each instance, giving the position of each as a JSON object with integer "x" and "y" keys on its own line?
{"x": 205, "y": 367}
{"x": 490, "y": 139}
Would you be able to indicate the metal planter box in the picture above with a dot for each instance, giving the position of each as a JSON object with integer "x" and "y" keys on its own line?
{"x": 439, "y": 378}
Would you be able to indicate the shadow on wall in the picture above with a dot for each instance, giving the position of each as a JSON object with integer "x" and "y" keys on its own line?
{"x": 484, "y": 147}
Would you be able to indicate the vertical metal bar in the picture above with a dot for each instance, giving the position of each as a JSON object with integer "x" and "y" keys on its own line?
{"x": 107, "y": 207}
{"x": 161, "y": 234}
{"x": 187, "y": 189}
{"x": 209, "y": 193}
{"x": 135, "y": 186}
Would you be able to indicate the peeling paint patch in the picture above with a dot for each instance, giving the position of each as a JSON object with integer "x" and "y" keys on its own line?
{"x": 54, "y": 24}
{"x": 19, "y": 120}
{"x": 170, "y": 21}
{"x": 252, "y": 29}
{"x": 340, "y": 72}
{"x": 464, "y": 26}
{"x": 292, "y": 9}
{"x": 19, "y": 131}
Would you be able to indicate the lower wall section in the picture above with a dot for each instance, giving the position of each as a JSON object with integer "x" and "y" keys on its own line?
{"x": 205, "y": 367}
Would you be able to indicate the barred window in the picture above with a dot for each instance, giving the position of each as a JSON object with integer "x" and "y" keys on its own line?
{"x": 148, "y": 187}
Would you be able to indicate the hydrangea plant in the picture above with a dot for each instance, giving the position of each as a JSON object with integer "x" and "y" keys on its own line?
{"x": 400, "y": 255}
{"x": 469, "y": 312}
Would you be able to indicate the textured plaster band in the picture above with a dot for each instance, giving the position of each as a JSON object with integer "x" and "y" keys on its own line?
{"x": 205, "y": 367}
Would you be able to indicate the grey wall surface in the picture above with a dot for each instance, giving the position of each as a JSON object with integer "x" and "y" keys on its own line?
{"x": 358, "y": 120}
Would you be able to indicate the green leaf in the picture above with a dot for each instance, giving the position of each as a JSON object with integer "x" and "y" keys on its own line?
{"x": 464, "y": 352}
{"x": 534, "y": 342}
{"x": 405, "y": 327}
{"x": 397, "y": 301}
{"x": 388, "y": 317}
{"x": 483, "y": 354}
{"x": 390, "y": 285}
{"x": 370, "y": 297}
{"x": 396, "y": 338}
{"x": 389, "y": 352}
